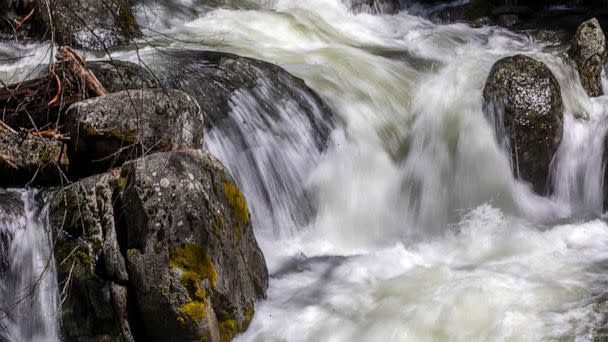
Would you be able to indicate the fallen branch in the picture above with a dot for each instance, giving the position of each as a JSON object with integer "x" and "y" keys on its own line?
{"x": 75, "y": 64}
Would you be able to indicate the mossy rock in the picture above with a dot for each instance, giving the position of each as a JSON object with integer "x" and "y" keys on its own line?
{"x": 192, "y": 256}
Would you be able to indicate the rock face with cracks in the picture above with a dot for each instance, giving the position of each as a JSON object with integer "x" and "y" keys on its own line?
{"x": 161, "y": 249}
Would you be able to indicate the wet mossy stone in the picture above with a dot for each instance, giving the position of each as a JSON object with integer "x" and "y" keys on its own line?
{"x": 91, "y": 24}
{"x": 588, "y": 50}
{"x": 192, "y": 256}
{"x": 109, "y": 130}
{"x": 522, "y": 98}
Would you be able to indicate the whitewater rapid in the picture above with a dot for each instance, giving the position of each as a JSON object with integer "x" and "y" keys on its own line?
{"x": 420, "y": 232}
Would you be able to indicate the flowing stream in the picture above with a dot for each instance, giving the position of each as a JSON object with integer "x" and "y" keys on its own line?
{"x": 28, "y": 291}
{"x": 416, "y": 230}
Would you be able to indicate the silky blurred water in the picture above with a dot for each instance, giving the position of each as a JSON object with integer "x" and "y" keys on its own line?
{"x": 416, "y": 229}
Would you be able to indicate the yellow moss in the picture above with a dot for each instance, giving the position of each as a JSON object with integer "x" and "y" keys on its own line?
{"x": 132, "y": 252}
{"x": 229, "y": 328}
{"x": 193, "y": 310}
{"x": 195, "y": 263}
{"x": 121, "y": 183}
{"x": 236, "y": 201}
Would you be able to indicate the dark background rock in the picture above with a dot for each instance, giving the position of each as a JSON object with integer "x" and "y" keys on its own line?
{"x": 91, "y": 24}
{"x": 192, "y": 255}
{"x": 589, "y": 53}
{"x": 109, "y": 130}
{"x": 523, "y": 100}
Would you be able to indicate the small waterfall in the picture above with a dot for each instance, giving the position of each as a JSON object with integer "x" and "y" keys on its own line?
{"x": 28, "y": 293}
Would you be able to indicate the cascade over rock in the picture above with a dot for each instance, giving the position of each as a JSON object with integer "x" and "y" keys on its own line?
{"x": 523, "y": 100}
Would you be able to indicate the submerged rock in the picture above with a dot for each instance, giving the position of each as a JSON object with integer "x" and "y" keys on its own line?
{"x": 589, "y": 52}
{"x": 91, "y": 24}
{"x": 192, "y": 257}
{"x": 90, "y": 265}
{"x": 28, "y": 159}
{"x": 523, "y": 100}
{"x": 109, "y": 130}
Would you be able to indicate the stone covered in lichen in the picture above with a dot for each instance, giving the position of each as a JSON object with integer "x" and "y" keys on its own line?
{"x": 109, "y": 130}
{"x": 523, "y": 100}
{"x": 192, "y": 255}
{"x": 90, "y": 265}
{"x": 28, "y": 159}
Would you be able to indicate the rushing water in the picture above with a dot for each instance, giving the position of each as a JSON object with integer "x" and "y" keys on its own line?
{"x": 420, "y": 232}
{"x": 28, "y": 292}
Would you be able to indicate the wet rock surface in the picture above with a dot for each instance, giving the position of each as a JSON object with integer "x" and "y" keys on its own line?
{"x": 523, "y": 100}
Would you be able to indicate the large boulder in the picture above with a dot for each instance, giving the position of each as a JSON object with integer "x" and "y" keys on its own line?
{"x": 109, "y": 130}
{"x": 91, "y": 24}
{"x": 589, "y": 52}
{"x": 523, "y": 99}
{"x": 28, "y": 159}
{"x": 91, "y": 269}
{"x": 193, "y": 259}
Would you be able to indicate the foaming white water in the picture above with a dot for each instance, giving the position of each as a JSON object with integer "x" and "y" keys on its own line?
{"x": 28, "y": 293}
{"x": 421, "y": 232}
